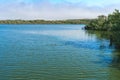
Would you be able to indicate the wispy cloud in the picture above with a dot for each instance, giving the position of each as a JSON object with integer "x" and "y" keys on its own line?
{"x": 56, "y": 9}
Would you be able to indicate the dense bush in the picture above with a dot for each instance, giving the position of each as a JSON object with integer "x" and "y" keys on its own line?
{"x": 107, "y": 23}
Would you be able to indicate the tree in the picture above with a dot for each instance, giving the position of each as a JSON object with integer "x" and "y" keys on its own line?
{"x": 110, "y": 23}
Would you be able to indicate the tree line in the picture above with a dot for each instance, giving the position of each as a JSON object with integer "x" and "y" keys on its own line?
{"x": 74, "y": 21}
{"x": 106, "y": 23}
{"x": 106, "y": 27}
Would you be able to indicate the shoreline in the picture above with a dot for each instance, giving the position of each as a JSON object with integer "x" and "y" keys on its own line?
{"x": 75, "y": 21}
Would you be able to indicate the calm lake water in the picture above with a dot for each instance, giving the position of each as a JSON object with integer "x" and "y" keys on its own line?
{"x": 55, "y": 52}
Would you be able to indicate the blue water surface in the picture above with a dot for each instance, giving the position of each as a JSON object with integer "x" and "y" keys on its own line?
{"x": 54, "y": 52}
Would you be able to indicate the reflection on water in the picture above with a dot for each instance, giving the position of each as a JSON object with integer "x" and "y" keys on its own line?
{"x": 55, "y": 52}
{"x": 114, "y": 35}
{"x": 116, "y": 60}
{"x": 63, "y": 34}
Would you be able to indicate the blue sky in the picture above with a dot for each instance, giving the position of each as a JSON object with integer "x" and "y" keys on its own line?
{"x": 56, "y": 9}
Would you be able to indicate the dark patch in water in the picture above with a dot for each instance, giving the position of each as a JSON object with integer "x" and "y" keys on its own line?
{"x": 88, "y": 45}
{"x": 103, "y": 60}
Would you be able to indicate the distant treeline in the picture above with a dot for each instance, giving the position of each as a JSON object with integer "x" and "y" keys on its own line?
{"x": 75, "y": 21}
{"x": 106, "y": 23}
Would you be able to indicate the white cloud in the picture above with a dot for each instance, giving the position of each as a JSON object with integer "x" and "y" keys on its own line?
{"x": 47, "y": 10}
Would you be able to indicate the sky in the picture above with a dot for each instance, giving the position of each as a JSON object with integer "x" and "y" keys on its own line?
{"x": 56, "y": 9}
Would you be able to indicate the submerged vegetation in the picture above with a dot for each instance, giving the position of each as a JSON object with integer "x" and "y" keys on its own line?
{"x": 111, "y": 36}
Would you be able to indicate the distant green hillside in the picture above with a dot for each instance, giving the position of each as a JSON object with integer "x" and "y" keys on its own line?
{"x": 72, "y": 21}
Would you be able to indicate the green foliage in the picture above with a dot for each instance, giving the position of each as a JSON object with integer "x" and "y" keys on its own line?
{"x": 108, "y": 27}
{"x": 107, "y": 23}
{"x": 76, "y": 21}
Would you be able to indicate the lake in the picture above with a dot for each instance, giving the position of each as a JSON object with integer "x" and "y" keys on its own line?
{"x": 55, "y": 52}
